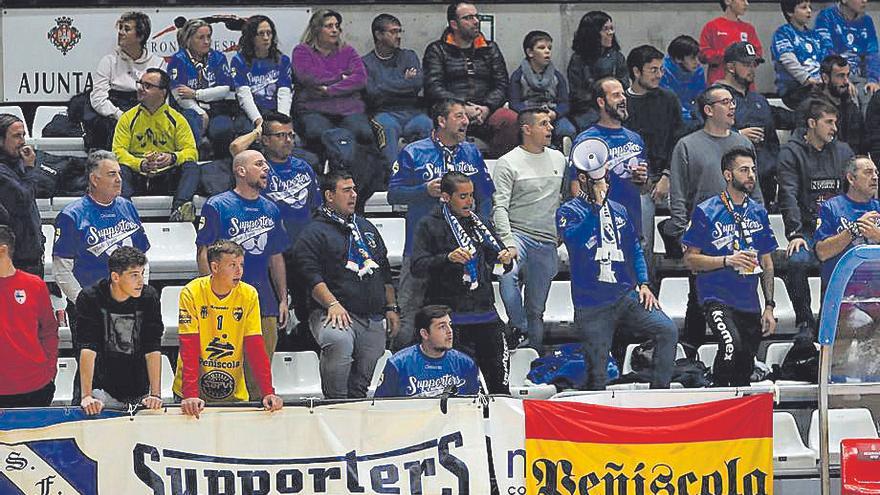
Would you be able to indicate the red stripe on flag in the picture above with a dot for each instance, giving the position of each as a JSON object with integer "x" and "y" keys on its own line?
{"x": 730, "y": 419}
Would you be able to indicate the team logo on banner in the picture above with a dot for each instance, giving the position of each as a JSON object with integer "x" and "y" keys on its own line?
{"x": 716, "y": 447}
{"x": 64, "y": 36}
{"x": 47, "y": 467}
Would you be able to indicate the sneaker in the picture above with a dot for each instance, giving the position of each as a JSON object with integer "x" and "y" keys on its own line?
{"x": 184, "y": 213}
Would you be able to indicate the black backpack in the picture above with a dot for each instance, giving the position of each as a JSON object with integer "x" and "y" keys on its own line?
{"x": 60, "y": 175}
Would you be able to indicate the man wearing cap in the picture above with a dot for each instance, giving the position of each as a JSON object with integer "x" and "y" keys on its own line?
{"x": 723, "y": 31}
{"x": 754, "y": 117}
{"x": 609, "y": 276}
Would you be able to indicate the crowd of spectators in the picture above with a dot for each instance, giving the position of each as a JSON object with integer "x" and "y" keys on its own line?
{"x": 649, "y": 130}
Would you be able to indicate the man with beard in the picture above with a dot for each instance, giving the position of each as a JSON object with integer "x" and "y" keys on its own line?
{"x": 695, "y": 177}
{"x": 836, "y": 87}
{"x": 847, "y": 30}
{"x": 628, "y": 166}
{"x": 754, "y": 117}
{"x": 723, "y": 31}
{"x": 729, "y": 244}
{"x": 415, "y": 182}
{"x": 610, "y": 288}
{"x": 246, "y": 217}
{"x": 431, "y": 367}
{"x": 18, "y": 186}
{"x": 811, "y": 170}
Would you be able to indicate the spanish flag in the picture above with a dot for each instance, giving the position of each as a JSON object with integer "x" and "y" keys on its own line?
{"x": 718, "y": 448}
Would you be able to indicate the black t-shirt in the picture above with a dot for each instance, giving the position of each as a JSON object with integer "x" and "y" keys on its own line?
{"x": 121, "y": 334}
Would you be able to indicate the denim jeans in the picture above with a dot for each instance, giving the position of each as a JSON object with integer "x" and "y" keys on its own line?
{"x": 536, "y": 265}
{"x": 597, "y": 325}
{"x": 412, "y": 125}
{"x": 800, "y": 264}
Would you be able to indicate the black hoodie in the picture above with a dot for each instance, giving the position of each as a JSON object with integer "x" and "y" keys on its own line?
{"x": 18, "y": 209}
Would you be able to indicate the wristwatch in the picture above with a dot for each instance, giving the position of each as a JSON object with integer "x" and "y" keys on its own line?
{"x": 770, "y": 303}
{"x": 394, "y": 308}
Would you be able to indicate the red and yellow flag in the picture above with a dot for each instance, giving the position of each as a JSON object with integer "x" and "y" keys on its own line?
{"x": 723, "y": 447}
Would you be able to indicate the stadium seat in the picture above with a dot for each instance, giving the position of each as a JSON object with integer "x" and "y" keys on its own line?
{"x": 65, "y": 338}
{"x": 378, "y": 203}
{"x": 499, "y": 304}
{"x": 842, "y": 423}
{"x": 815, "y": 294}
{"x": 789, "y": 451}
{"x": 17, "y": 111}
{"x": 490, "y": 165}
{"x": 45, "y": 207}
{"x": 377, "y": 373}
{"x": 560, "y": 309}
{"x": 779, "y": 231}
{"x": 64, "y": 381}
{"x": 562, "y": 254}
{"x": 65, "y": 145}
{"x": 49, "y": 234}
{"x": 296, "y": 375}
{"x": 659, "y": 245}
{"x": 167, "y": 379}
{"x": 776, "y": 353}
{"x": 784, "y": 309}
{"x": 520, "y": 386}
{"x": 153, "y": 206}
{"x": 706, "y": 353}
{"x": 170, "y": 300}
{"x": 860, "y": 467}
{"x": 627, "y": 359}
{"x": 393, "y": 233}
{"x": 673, "y": 298}
{"x": 172, "y": 251}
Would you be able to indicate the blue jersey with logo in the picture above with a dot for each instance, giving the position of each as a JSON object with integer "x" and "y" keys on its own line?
{"x": 184, "y": 72}
{"x": 264, "y": 77}
{"x": 713, "y": 231}
{"x": 805, "y": 45}
{"x": 855, "y": 40}
{"x": 293, "y": 186}
{"x": 627, "y": 150}
{"x": 834, "y": 216}
{"x": 410, "y": 373}
{"x": 578, "y": 224}
{"x": 89, "y": 232}
{"x": 421, "y": 162}
{"x": 254, "y": 224}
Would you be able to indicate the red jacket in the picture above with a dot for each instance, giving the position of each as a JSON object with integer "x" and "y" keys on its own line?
{"x": 717, "y": 35}
{"x": 28, "y": 334}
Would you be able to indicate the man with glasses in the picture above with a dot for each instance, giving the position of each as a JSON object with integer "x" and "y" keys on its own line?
{"x": 463, "y": 64}
{"x": 695, "y": 177}
{"x": 754, "y": 117}
{"x": 157, "y": 147}
{"x": 394, "y": 82}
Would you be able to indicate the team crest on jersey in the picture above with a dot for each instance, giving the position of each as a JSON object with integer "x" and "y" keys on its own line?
{"x": 204, "y": 312}
{"x": 64, "y": 36}
{"x": 237, "y": 313}
{"x": 202, "y": 223}
{"x": 20, "y": 296}
{"x": 371, "y": 239}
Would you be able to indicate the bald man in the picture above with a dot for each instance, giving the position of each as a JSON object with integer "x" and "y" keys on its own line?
{"x": 247, "y": 218}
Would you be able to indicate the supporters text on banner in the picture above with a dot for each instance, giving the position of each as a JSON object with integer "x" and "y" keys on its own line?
{"x": 721, "y": 447}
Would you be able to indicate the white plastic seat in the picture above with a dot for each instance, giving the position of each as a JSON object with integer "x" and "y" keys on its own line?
{"x": 815, "y": 295}
{"x": 393, "y": 232}
{"x": 42, "y": 117}
{"x": 153, "y": 206}
{"x": 778, "y": 227}
{"x": 172, "y": 252}
{"x": 564, "y": 263}
{"x": 520, "y": 386}
{"x": 776, "y": 353}
{"x": 842, "y": 423}
{"x": 17, "y": 111}
{"x": 789, "y": 451}
{"x": 170, "y": 302}
{"x": 784, "y": 311}
{"x": 659, "y": 245}
{"x": 627, "y": 359}
{"x": 499, "y": 304}
{"x": 296, "y": 375}
{"x": 45, "y": 207}
{"x": 65, "y": 338}
{"x": 377, "y": 373}
{"x": 49, "y": 233}
{"x": 167, "y": 379}
{"x": 706, "y": 353}
{"x": 64, "y": 381}
{"x": 559, "y": 309}
{"x": 490, "y": 165}
{"x": 378, "y": 203}
{"x": 673, "y": 298}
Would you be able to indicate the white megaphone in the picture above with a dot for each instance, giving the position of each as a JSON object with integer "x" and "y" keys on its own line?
{"x": 591, "y": 156}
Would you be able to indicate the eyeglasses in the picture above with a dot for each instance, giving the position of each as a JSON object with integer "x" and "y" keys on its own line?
{"x": 728, "y": 102}
{"x": 469, "y": 17}
{"x": 286, "y": 135}
{"x": 148, "y": 86}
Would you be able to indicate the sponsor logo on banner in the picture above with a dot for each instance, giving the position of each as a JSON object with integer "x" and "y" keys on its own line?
{"x": 64, "y": 36}
{"x": 715, "y": 447}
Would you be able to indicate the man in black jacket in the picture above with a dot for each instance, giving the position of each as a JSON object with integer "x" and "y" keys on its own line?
{"x": 464, "y": 64}
{"x": 811, "y": 171}
{"x": 344, "y": 264}
{"x": 454, "y": 250}
{"x": 18, "y": 205}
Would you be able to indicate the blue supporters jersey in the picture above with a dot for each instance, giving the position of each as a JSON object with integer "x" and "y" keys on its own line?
{"x": 264, "y": 77}
{"x": 627, "y": 150}
{"x": 293, "y": 186}
{"x": 410, "y": 373}
{"x": 255, "y": 224}
{"x": 89, "y": 232}
{"x": 578, "y": 224}
{"x": 713, "y": 231}
{"x": 421, "y": 162}
{"x": 855, "y": 40}
{"x": 686, "y": 85}
{"x": 183, "y": 71}
{"x": 834, "y": 214}
{"x": 806, "y": 46}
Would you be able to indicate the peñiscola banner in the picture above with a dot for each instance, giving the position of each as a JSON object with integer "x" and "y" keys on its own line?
{"x": 717, "y": 447}
{"x": 401, "y": 447}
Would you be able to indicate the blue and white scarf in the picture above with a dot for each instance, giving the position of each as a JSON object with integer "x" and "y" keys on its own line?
{"x": 609, "y": 246}
{"x": 464, "y": 240}
{"x": 359, "y": 259}
{"x": 448, "y": 154}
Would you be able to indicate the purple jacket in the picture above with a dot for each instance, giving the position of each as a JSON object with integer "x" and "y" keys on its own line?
{"x": 311, "y": 70}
